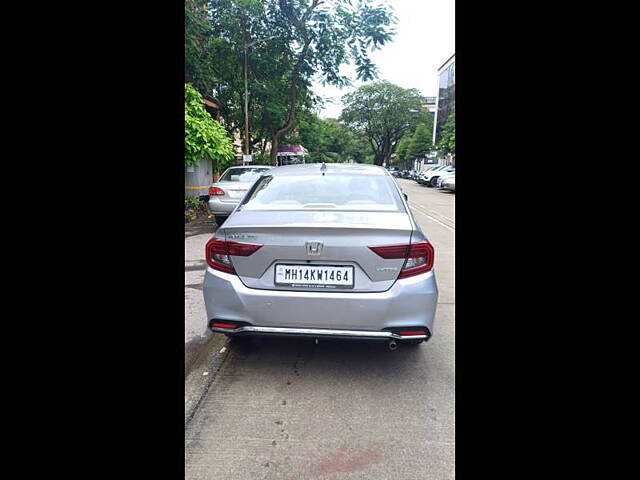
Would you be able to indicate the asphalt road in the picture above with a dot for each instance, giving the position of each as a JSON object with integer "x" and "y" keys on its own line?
{"x": 291, "y": 409}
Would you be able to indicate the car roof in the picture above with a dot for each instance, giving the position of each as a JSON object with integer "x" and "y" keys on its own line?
{"x": 335, "y": 168}
{"x": 250, "y": 166}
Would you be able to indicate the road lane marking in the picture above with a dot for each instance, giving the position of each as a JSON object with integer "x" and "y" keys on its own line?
{"x": 431, "y": 217}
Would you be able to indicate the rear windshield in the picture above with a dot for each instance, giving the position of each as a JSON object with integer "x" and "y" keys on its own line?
{"x": 317, "y": 192}
{"x": 242, "y": 174}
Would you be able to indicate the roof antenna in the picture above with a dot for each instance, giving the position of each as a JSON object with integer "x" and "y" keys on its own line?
{"x": 323, "y": 168}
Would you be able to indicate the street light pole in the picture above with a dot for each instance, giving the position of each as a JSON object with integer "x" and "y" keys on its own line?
{"x": 246, "y": 105}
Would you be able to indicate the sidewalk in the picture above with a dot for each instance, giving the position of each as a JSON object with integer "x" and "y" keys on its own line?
{"x": 196, "y": 334}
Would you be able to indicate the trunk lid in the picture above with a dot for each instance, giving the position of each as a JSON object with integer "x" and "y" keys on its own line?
{"x": 344, "y": 238}
{"x": 233, "y": 191}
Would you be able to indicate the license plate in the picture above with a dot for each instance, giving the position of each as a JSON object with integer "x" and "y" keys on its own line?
{"x": 314, "y": 276}
{"x": 235, "y": 193}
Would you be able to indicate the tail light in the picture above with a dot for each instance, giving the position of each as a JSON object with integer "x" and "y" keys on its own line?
{"x": 419, "y": 256}
{"x": 218, "y": 253}
{"x": 216, "y": 191}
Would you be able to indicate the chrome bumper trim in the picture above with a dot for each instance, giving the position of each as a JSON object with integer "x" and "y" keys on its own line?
{"x": 320, "y": 332}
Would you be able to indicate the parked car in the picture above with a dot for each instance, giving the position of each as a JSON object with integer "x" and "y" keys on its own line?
{"x": 421, "y": 177}
{"x": 329, "y": 251}
{"x": 450, "y": 183}
{"x": 430, "y": 178}
{"x": 443, "y": 177}
{"x": 227, "y": 192}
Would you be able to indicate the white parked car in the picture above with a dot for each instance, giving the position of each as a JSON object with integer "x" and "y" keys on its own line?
{"x": 445, "y": 176}
{"x": 430, "y": 178}
{"x": 422, "y": 176}
{"x": 450, "y": 184}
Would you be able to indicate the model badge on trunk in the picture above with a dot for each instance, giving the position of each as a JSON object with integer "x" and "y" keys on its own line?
{"x": 241, "y": 236}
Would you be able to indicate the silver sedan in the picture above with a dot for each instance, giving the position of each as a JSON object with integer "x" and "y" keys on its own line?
{"x": 227, "y": 192}
{"x": 322, "y": 251}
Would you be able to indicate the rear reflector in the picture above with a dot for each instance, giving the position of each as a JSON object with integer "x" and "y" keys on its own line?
{"x": 218, "y": 252}
{"x": 419, "y": 256}
{"x": 223, "y": 325}
{"x": 411, "y": 332}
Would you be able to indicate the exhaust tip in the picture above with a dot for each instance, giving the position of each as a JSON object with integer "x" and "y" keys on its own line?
{"x": 392, "y": 345}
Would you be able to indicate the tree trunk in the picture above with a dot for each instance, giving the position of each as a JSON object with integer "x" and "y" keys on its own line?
{"x": 290, "y": 120}
{"x": 274, "y": 150}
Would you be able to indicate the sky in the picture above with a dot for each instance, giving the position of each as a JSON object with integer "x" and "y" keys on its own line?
{"x": 425, "y": 39}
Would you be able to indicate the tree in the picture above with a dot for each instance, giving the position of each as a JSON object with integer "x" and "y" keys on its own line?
{"x": 291, "y": 43}
{"x": 198, "y": 61}
{"x": 328, "y": 140}
{"x": 234, "y": 24}
{"x": 384, "y": 112}
{"x": 421, "y": 142}
{"x": 203, "y": 136}
{"x": 447, "y": 143}
{"x": 403, "y": 147}
{"x": 321, "y": 38}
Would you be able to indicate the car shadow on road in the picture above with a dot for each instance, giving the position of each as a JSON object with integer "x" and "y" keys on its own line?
{"x": 331, "y": 361}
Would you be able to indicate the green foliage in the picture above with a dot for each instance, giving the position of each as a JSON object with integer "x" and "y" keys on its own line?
{"x": 293, "y": 42}
{"x": 191, "y": 202}
{"x": 328, "y": 140}
{"x": 198, "y": 65}
{"x": 260, "y": 159}
{"x": 447, "y": 143}
{"x": 234, "y": 24}
{"x": 203, "y": 136}
{"x": 384, "y": 112}
{"x": 403, "y": 147}
{"x": 323, "y": 36}
{"x": 421, "y": 142}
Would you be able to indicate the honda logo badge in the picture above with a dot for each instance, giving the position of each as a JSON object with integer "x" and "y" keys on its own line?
{"x": 314, "y": 248}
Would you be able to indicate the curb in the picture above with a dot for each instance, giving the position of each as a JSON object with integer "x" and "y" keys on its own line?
{"x": 202, "y": 371}
{"x": 196, "y": 349}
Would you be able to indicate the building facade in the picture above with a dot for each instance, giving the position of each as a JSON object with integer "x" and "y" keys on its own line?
{"x": 446, "y": 102}
{"x": 431, "y": 104}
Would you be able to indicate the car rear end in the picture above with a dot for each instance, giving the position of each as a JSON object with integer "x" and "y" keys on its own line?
{"x": 357, "y": 269}
{"x": 449, "y": 184}
{"x": 233, "y": 184}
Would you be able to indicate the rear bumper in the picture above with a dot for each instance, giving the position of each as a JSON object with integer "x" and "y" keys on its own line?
{"x": 221, "y": 208}
{"x": 321, "y": 332}
{"x": 410, "y": 302}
